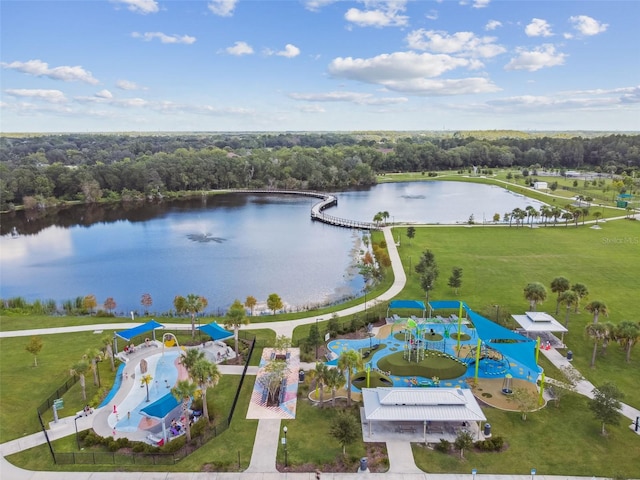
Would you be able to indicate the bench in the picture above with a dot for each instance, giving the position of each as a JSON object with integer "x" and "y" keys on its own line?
{"x": 405, "y": 428}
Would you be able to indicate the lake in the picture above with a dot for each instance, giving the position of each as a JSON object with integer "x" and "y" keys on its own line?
{"x": 222, "y": 247}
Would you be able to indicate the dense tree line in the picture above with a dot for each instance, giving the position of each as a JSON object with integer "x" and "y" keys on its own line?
{"x": 90, "y": 167}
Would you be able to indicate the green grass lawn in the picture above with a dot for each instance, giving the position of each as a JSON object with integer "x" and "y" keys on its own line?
{"x": 498, "y": 262}
{"x": 555, "y": 441}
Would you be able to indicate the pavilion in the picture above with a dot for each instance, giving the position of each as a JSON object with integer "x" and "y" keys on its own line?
{"x": 162, "y": 408}
{"x": 448, "y": 408}
{"x": 539, "y": 323}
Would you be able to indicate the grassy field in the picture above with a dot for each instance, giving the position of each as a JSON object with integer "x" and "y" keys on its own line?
{"x": 498, "y": 262}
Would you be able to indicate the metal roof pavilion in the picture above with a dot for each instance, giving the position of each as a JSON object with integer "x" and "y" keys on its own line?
{"x": 421, "y": 404}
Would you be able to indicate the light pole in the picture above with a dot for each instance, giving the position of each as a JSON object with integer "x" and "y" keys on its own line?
{"x": 317, "y": 335}
{"x": 284, "y": 441}
{"x": 473, "y": 472}
{"x": 75, "y": 422}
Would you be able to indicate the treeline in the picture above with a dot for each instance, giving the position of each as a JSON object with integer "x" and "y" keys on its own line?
{"x": 34, "y": 170}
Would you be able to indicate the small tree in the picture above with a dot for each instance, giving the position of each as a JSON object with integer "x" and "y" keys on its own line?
{"x": 559, "y": 285}
{"x": 146, "y": 302}
{"x": 80, "y": 369}
{"x": 89, "y": 302}
{"x": 108, "y": 350}
{"x": 345, "y": 428}
{"x": 605, "y": 404}
{"x": 561, "y": 388}
{"x": 455, "y": 280}
{"x": 525, "y": 399}
{"x": 274, "y": 302}
{"x": 271, "y": 379}
{"x": 110, "y": 304}
{"x": 411, "y": 233}
{"x": 581, "y": 292}
{"x": 464, "y": 440}
{"x": 282, "y": 343}
{"x": 250, "y": 302}
{"x": 34, "y": 347}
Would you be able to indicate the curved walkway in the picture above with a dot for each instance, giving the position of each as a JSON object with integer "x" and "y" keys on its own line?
{"x": 262, "y": 466}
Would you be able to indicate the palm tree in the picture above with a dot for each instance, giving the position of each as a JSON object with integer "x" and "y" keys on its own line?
{"x": 596, "y": 308}
{"x": 627, "y": 334}
{"x": 108, "y": 350}
{"x": 545, "y": 213}
{"x": 349, "y": 361}
{"x": 568, "y": 299}
{"x": 236, "y": 316}
{"x": 80, "y": 369}
{"x": 335, "y": 378}
{"x": 191, "y": 304}
{"x": 581, "y": 291}
{"x": 190, "y": 357}
{"x": 184, "y": 391}
{"x": 94, "y": 356}
{"x": 597, "y": 216}
{"x": 377, "y": 218}
{"x": 596, "y": 332}
{"x": 319, "y": 374}
{"x": 535, "y": 293}
{"x": 555, "y": 213}
{"x": 566, "y": 216}
{"x": 559, "y": 285}
{"x": 206, "y": 375}
{"x": 145, "y": 380}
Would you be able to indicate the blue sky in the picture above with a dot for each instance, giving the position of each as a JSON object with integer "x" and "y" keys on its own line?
{"x": 319, "y": 65}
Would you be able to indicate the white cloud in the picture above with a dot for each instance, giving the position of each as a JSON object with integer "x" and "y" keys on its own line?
{"x": 461, "y": 43}
{"x": 222, "y": 8}
{"x": 432, "y": 15}
{"x": 540, "y": 57}
{"x": 394, "y": 66}
{"x": 140, "y": 6}
{"x": 53, "y": 96}
{"x": 164, "y": 38}
{"x": 39, "y": 68}
{"x": 104, "y": 94}
{"x": 442, "y": 87}
{"x": 351, "y": 97}
{"x": 481, "y": 3}
{"x": 410, "y": 72}
{"x": 587, "y": 25}
{"x": 538, "y": 28}
{"x": 492, "y": 25}
{"x": 315, "y": 5}
{"x": 388, "y": 14}
{"x": 312, "y": 109}
{"x": 127, "y": 85}
{"x": 239, "y": 49}
{"x": 289, "y": 51}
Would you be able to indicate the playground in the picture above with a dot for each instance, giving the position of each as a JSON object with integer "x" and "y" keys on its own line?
{"x": 140, "y": 405}
{"x": 460, "y": 350}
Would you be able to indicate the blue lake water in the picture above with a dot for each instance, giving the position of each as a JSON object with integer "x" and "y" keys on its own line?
{"x": 222, "y": 247}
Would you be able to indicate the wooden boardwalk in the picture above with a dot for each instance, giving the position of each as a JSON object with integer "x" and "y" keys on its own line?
{"x": 317, "y": 211}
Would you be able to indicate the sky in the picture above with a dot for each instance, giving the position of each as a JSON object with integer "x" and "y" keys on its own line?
{"x": 319, "y": 65}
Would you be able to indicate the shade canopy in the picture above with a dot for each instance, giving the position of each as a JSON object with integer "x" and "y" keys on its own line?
{"x": 161, "y": 407}
{"x": 421, "y": 404}
{"x": 215, "y": 331}
{"x": 139, "y": 330}
{"x": 537, "y": 322}
{"x": 413, "y": 304}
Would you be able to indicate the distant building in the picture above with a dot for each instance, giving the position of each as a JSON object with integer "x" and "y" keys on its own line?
{"x": 540, "y": 186}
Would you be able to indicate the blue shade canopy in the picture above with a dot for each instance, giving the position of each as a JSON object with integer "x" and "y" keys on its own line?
{"x": 161, "y": 407}
{"x": 419, "y": 304}
{"x": 446, "y": 305}
{"x": 215, "y": 331}
{"x": 139, "y": 330}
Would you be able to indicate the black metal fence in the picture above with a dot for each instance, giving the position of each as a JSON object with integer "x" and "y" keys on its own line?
{"x": 141, "y": 458}
{"x": 48, "y": 403}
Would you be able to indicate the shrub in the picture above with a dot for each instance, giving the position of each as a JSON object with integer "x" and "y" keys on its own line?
{"x": 444, "y": 446}
{"x": 174, "y": 445}
{"x": 493, "y": 444}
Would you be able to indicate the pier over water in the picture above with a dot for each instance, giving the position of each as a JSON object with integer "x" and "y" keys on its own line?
{"x": 317, "y": 211}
